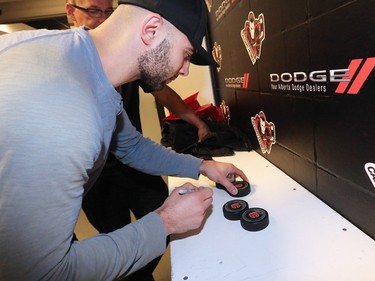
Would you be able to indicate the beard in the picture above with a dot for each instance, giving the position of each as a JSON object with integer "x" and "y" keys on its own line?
{"x": 154, "y": 66}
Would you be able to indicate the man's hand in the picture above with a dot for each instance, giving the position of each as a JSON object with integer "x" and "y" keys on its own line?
{"x": 204, "y": 132}
{"x": 223, "y": 173}
{"x": 181, "y": 213}
{"x": 172, "y": 101}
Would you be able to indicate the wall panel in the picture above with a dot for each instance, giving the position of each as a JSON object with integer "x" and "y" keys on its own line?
{"x": 308, "y": 70}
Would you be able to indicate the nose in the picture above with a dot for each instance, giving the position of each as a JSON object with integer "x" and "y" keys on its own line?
{"x": 184, "y": 71}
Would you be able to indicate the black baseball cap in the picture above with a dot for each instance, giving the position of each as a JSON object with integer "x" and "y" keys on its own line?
{"x": 189, "y": 16}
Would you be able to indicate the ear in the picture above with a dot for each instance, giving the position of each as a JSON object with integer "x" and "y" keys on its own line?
{"x": 70, "y": 11}
{"x": 152, "y": 29}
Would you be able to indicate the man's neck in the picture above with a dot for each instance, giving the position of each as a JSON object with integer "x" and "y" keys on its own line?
{"x": 117, "y": 48}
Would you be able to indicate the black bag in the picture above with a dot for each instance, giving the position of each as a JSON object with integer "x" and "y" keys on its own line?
{"x": 183, "y": 138}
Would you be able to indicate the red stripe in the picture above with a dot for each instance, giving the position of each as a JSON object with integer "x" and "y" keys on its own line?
{"x": 246, "y": 80}
{"x": 362, "y": 76}
{"x": 353, "y": 66}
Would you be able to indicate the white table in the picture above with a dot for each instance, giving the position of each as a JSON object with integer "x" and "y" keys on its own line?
{"x": 305, "y": 240}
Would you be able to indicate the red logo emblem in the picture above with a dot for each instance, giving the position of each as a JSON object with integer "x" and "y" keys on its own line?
{"x": 265, "y": 132}
{"x": 253, "y": 35}
{"x": 217, "y": 55}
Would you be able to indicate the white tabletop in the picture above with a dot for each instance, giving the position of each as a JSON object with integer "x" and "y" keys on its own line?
{"x": 305, "y": 239}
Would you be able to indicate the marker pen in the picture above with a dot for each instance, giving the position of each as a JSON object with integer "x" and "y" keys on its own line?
{"x": 185, "y": 191}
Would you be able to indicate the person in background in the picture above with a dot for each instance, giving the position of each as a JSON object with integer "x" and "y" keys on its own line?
{"x": 61, "y": 116}
{"x": 120, "y": 188}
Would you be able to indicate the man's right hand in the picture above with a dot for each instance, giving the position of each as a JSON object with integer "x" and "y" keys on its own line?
{"x": 181, "y": 213}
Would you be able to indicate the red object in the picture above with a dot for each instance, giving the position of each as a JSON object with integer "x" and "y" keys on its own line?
{"x": 205, "y": 112}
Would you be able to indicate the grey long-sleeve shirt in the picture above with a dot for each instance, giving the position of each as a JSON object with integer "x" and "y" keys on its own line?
{"x": 58, "y": 113}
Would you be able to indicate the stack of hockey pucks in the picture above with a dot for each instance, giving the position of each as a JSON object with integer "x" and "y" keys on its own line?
{"x": 233, "y": 209}
{"x": 243, "y": 188}
{"x": 252, "y": 219}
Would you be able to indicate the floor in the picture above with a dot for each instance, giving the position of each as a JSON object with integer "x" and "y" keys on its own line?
{"x": 161, "y": 273}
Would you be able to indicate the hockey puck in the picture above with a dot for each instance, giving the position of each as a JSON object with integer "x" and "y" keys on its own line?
{"x": 243, "y": 188}
{"x": 233, "y": 209}
{"x": 254, "y": 219}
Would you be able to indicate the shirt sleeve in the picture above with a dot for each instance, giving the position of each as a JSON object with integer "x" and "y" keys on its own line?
{"x": 148, "y": 156}
{"x": 116, "y": 254}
